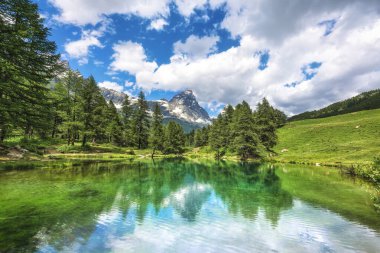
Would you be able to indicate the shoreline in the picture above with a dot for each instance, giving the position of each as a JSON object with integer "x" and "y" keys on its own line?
{"x": 363, "y": 169}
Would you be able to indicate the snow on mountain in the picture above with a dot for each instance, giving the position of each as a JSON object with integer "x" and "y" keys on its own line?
{"x": 183, "y": 107}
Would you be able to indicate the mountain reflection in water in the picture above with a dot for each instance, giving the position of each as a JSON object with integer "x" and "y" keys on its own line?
{"x": 184, "y": 206}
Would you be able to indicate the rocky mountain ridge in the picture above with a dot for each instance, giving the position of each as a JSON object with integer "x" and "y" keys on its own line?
{"x": 182, "y": 108}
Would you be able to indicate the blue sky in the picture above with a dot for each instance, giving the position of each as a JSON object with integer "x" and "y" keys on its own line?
{"x": 224, "y": 50}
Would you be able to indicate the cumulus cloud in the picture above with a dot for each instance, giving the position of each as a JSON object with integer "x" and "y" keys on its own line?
{"x": 343, "y": 36}
{"x": 111, "y": 85}
{"x": 349, "y": 56}
{"x": 195, "y": 47}
{"x": 157, "y": 24}
{"x": 82, "y": 12}
{"x": 80, "y": 49}
{"x": 130, "y": 57}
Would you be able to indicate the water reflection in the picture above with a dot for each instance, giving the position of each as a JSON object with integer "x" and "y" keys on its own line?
{"x": 171, "y": 206}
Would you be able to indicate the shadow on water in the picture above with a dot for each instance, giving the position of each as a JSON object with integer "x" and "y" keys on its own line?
{"x": 57, "y": 204}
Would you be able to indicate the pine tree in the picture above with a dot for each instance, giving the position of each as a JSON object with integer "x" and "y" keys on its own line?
{"x": 156, "y": 133}
{"x": 89, "y": 94}
{"x": 115, "y": 126}
{"x": 280, "y": 118}
{"x": 201, "y": 137}
{"x": 68, "y": 110}
{"x": 190, "y": 138}
{"x": 228, "y": 117}
{"x": 101, "y": 119}
{"x": 126, "y": 112}
{"x": 140, "y": 124}
{"x": 265, "y": 117}
{"x": 27, "y": 62}
{"x": 245, "y": 139}
{"x": 174, "y": 138}
{"x": 218, "y": 137}
{"x": 198, "y": 141}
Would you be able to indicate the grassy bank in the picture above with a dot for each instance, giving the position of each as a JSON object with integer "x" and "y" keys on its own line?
{"x": 349, "y": 139}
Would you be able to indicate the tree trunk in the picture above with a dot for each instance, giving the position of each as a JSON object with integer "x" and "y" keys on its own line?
{"x": 2, "y": 134}
{"x": 54, "y": 127}
{"x": 68, "y": 136}
{"x": 84, "y": 140}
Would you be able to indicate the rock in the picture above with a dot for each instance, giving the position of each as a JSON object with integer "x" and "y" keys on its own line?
{"x": 284, "y": 150}
{"x": 15, "y": 153}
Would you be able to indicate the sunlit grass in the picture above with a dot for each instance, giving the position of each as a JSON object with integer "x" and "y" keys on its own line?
{"x": 345, "y": 139}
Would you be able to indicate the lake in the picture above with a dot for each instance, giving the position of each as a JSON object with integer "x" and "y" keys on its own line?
{"x": 184, "y": 206}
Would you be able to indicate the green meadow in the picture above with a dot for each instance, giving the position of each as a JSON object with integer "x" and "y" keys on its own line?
{"x": 347, "y": 139}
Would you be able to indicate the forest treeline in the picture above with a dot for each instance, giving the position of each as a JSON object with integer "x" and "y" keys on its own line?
{"x": 240, "y": 130}
{"x": 365, "y": 101}
{"x": 41, "y": 98}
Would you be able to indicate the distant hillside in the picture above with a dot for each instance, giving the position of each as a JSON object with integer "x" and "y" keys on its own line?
{"x": 349, "y": 139}
{"x": 365, "y": 101}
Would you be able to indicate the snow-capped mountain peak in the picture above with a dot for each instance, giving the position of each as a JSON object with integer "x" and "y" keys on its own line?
{"x": 183, "y": 107}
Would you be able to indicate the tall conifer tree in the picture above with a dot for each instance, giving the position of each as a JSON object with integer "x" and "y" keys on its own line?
{"x": 156, "y": 133}
{"x": 140, "y": 124}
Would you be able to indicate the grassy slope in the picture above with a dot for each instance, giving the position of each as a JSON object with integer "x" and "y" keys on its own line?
{"x": 332, "y": 140}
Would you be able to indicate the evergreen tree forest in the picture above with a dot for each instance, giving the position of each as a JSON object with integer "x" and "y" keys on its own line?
{"x": 41, "y": 97}
{"x": 249, "y": 134}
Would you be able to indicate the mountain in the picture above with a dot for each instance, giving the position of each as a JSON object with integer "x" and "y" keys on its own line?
{"x": 365, "y": 101}
{"x": 182, "y": 108}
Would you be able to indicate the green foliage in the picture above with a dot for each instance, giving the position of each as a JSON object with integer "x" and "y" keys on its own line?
{"x": 126, "y": 115}
{"x": 174, "y": 138}
{"x": 140, "y": 123}
{"x": 67, "y": 109}
{"x": 365, "y": 101}
{"x": 245, "y": 140}
{"x": 201, "y": 137}
{"x": 157, "y": 132}
{"x": 266, "y": 119}
{"x": 115, "y": 126}
{"x": 90, "y": 96}
{"x": 219, "y": 136}
{"x": 27, "y": 62}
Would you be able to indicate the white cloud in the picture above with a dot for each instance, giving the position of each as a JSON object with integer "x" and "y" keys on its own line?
{"x": 130, "y": 57}
{"x": 224, "y": 76}
{"x": 187, "y": 7}
{"x": 289, "y": 30}
{"x": 195, "y": 47}
{"x": 98, "y": 63}
{"x": 111, "y": 85}
{"x": 157, "y": 24}
{"x": 128, "y": 84}
{"x": 350, "y": 56}
{"x": 82, "y": 12}
{"x": 80, "y": 49}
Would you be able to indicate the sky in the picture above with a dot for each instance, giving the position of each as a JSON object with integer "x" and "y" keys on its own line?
{"x": 300, "y": 55}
